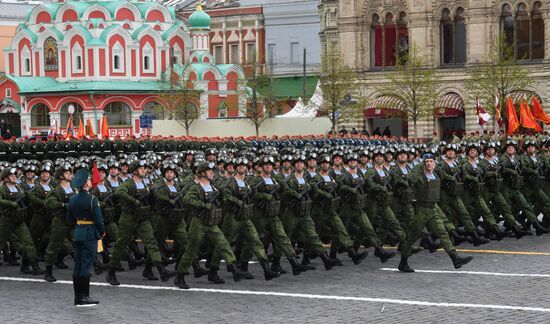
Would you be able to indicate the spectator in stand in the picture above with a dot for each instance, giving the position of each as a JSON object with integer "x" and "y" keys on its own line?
{"x": 343, "y": 131}
{"x": 377, "y": 131}
{"x": 354, "y": 131}
{"x": 387, "y": 131}
{"x": 364, "y": 131}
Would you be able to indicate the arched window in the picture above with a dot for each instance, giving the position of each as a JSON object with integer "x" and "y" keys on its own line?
{"x": 64, "y": 114}
{"x": 77, "y": 59}
{"x": 154, "y": 109}
{"x": 222, "y": 110}
{"x": 453, "y": 37}
{"x": 40, "y": 116}
{"x": 389, "y": 40}
{"x": 26, "y": 61}
{"x": 537, "y": 43}
{"x": 118, "y": 114}
{"x": 147, "y": 58}
{"x": 118, "y": 53}
{"x": 524, "y": 33}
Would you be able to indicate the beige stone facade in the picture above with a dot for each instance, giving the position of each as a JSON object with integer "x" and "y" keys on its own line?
{"x": 356, "y": 27}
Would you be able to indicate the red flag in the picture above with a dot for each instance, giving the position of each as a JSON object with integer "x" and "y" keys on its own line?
{"x": 498, "y": 113}
{"x": 539, "y": 113}
{"x": 90, "y": 129}
{"x": 70, "y": 127}
{"x": 482, "y": 115}
{"x": 526, "y": 117}
{"x": 96, "y": 178}
{"x": 104, "y": 128}
{"x": 81, "y": 133}
{"x": 512, "y": 117}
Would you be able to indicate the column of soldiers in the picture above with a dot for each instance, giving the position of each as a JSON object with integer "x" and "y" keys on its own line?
{"x": 302, "y": 199}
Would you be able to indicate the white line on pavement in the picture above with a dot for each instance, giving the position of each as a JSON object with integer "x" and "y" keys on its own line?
{"x": 481, "y": 273}
{"x": 306, "y": 296}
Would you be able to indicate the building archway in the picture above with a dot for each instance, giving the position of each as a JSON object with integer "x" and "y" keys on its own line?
{"x": 154, "y": 110}
{"x": 64, "y": 114}
{"x": 386, "y": 113}
{"x": 40, "y": 116}
{"x": 450, "y": 116}
{"x": 118, "y": 114}
{"x": 10, "y": 119}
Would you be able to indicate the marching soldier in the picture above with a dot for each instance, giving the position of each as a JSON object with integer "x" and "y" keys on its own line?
{"x": 427, "y": 185}
{"x": 136, "y": 212}
{"x": 13, "y": 209}
{"x": 57, "y": 202}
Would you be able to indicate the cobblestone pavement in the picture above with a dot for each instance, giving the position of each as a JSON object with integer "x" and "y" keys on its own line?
{"x": 496, "y": 287}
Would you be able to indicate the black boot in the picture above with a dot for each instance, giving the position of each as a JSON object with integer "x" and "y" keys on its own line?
{"x": 499, "y": 235}
{"x": 306, "y": 262}
{"x": 244, "y": 271}
{"x": 334, "y": 255}
{"x": 24, "y": 268}
{"x": 213, "y": 276}
{"x": 36, "y": 271}
{"x": 540, "y": 229}
{"x": 458, "y": 262}
{"x": 296, "y": 267}
{"x": 427, "y": 243}
{"x": 404, "y": 265}
{"x": 165, "y": 275}
{"x": 237, "y": 275}
{"x": 268, "y": 274}
{"x": 10, "y": 257}
{"x": 478, "y": 240}
{"x": 357, "y": 258}
{"x": 457, "y": 238}
{"x": 85, "y": 300}
{"x": 148, "y": 273}
{"x": 519, "y": 233}
{"x": 276, "y": 265}
{"x": 180, "y": 281}
{"x": 59, "y": 262}
{"x": 383, "y": 254}
{"x": 133, "y": 262}
{"x": 328, "y": 262}
{"x": 76, "y": 290}
{"x": 49, "y": 274}
{"x": 98, "y": 266}
{"x": 198, "y": 271}
{"x": 111, "y": 278}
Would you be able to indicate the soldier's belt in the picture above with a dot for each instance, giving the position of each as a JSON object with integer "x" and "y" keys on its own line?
{"x": 425, "y": 204}
{"x": 84, "y": 222}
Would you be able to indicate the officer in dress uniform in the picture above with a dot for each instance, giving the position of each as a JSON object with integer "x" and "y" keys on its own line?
{"x": 84, "y": 210}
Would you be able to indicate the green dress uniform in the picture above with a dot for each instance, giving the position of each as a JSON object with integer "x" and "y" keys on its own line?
{"x": 427, "y": 188}
{"x": 13, "y": 209}
{"x": 40, "y": 222}
{"x": 401, "y": 204}
{"x": 105, "y": 195}
{"x": 84, "y": 211}
{"x": 14, "y": 151}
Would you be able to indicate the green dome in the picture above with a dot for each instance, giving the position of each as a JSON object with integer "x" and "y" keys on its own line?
{"x": 199, "y": 19}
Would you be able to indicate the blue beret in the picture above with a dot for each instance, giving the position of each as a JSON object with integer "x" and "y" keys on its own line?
{"x": 428, "y": 155}
{"x": 80, "y": 178}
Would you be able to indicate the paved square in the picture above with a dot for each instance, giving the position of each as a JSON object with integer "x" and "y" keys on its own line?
{"x": 503, "y": 284}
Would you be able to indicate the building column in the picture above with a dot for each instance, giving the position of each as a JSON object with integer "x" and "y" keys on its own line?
{"x": 136, "y": 130}
{"x": 94, "y": 117}
{"x": 25, "y": 123}
{"x": 203, "y": 104}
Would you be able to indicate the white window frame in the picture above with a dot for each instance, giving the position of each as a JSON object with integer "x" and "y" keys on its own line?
{"x": 26, "y": 58}
{"x": 271, "y": 50}
{"x": 147, "y": 52}
{"x": 250, "y": 60}
{"x": 77, "y": 55}
{"x": 118, "y": 50}
{"x": 231, "y": 53}
{"x": 8, "y": 93}
{"x": 222, "y": 60}
{"x": 178, "y": 54}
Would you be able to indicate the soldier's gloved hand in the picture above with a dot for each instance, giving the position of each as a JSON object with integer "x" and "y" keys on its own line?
{"x": 353, "y": 191}
{"x": 268, "y": 197}
{"x": 239, "y": 203}
{"x": 208, "y": 206}
{"x": 172, "y": 202}
{"x": 13, "y": 204}
{"x": 299, "y": 195}
{"x": 136, "y": 202}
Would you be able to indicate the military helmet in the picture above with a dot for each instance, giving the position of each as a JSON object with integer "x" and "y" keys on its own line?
{"x": 266, "y": 159}
{"x": 204, "y": 166}
{"x": 299, "y": 158}
{"x": 352, "y": 156}
{"x": 45, "y": 168}
{"x": 7, "y": 172}
{"x": 102, "y": 167}
{"x": 324, "y": 158}
{"x": 64, "y": 167}
{"x": 530, "y": 142}
{"x": 241, "y": 161}
{"x": 137, "y": 164}
{"x": 113, "y": 164}
{"x": 169, "y": 166}
{"x": 29, "y": 168}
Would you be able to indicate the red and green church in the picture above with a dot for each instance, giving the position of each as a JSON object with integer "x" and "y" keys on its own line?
{"x": 110, "y": 58}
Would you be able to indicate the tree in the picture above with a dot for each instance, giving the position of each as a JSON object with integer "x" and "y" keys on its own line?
{"x": 258, "y": 103}
{"x": 341, "y": 97}
{"x": 181, "y": 100}
{"x": 497, "y": 75}
{"x": 415, "y": 84}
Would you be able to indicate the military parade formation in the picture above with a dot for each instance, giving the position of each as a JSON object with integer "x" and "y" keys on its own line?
{"x": 161, "y": 203}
